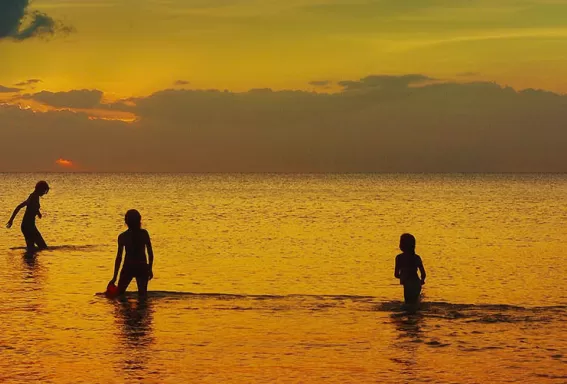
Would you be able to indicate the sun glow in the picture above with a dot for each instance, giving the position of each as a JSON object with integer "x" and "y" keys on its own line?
{"x": 89, "y": 113}
{"x": 64, "y": 163}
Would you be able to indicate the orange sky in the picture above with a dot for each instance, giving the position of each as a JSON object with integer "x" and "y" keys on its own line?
{"x": 97, "y": 69}
{"x": 238, "y": 45}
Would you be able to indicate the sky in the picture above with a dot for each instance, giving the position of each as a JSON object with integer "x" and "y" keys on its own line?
{"x": 283, "y": 86}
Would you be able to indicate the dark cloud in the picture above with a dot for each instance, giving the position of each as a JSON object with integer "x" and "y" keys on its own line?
{"x": 8, "y": 89}
{"x": 181, "y": 82}
{"x": 437, "y": 127}
{"x": 83, "y": 98}
{"x": 20, "y": 23}
{"x": 49, "y": 135}
{"x": 28, "y": 82}
{"x": 320, "y": 83}
{"x": 385, "y": 82}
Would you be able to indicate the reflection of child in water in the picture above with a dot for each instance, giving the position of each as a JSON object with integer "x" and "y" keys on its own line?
{"x": 407, "y": 264}
{"x": 136, "y": 240}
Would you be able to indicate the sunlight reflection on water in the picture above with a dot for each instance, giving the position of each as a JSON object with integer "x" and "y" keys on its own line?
{"x": 289, "y": 278}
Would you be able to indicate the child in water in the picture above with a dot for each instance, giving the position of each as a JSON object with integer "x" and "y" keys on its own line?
{"x": 136, "y": 240}
{"x": 29, "y": 230}
{"x": 407, "y": 264}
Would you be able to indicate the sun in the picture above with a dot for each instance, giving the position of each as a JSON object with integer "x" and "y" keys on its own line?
{"x": 64, "y": 163}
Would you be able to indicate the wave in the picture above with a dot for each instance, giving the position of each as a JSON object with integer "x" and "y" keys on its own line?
{"x": 477, "y": 313}
{"x": 441, "y": 305}
{"x": 68, "y": 247}
{"x": 443, "y": 311}
{"x": 180, "y": 294}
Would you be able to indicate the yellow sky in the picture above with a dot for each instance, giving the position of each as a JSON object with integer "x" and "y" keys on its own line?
{"x": 402, "y": 85}
{"x": 127, "y": 48}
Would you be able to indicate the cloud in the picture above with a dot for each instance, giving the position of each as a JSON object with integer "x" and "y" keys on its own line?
{"x": 385, "y": 82}
{"x": 83, "y": 98}
{"x": 436, "y": 127}
{"x": 52, "y": 133}
{"x": 8, "y": 89}
{"x": 181, "y": 82}
{"x": 28, "y": 82}
{"x": 19, "y": 23}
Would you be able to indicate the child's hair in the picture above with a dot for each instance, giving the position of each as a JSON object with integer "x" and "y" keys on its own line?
{"x": 42, "y": 186}
{"x": 133, "y": 219}
{"x": 407, "y": 243}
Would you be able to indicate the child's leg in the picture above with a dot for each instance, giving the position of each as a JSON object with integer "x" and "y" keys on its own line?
{"x": 407, "y": 294}
{"x": 126, "y": 277}
{"x": 39, "y": 239}
{"x": 30, "y": 238}
{"x": 412, "y": 289}
{"x": 142, "y": 281}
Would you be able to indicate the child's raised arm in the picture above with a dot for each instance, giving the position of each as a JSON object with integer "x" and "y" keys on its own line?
{"x": 11, "y": 221}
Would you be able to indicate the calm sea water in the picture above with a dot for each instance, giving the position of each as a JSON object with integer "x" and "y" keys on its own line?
{"x": 289, "y": 278}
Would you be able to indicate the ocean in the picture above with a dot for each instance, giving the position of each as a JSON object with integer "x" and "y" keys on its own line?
{"x": 288, "y": 278}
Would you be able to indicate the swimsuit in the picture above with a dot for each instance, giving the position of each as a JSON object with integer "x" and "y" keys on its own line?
{"x": 135, "y": 263}
{"x": 140, "y": 271}
{"x": 408, "y": 265}
{"x": 29, "y": 230}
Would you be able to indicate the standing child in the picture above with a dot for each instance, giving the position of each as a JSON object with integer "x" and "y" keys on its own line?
{"x": 407, "y": 264}
{"x": 29, "y": 230}
{"x": 136, "y": 240}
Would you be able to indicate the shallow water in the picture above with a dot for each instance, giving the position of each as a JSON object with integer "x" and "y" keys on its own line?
{"x": 289, "y": 278}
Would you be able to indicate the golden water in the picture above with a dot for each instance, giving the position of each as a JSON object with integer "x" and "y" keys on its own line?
{"x": 289, "y": 278}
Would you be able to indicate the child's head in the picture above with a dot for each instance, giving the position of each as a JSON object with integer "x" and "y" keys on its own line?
{"x": 133, "y": 219}
{"x": 41, "y": 187}
{"x": 407, "y": 243}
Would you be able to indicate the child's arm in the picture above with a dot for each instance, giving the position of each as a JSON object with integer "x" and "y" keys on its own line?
{"x": 397, "y": 268}
{"x": 150, "y": 257}
{"x": 118, "y": 260}
{"x": 11, "y": 221}
{"x": 422, "y": 271}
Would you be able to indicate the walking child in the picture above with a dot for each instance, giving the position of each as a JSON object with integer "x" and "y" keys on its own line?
{"x": 407, "y": 264}
{"x": 136, "y": 241}
{"x": 29, "y": 230}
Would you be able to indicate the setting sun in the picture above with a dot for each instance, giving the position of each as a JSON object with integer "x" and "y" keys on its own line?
{"x": 64, "y": 163}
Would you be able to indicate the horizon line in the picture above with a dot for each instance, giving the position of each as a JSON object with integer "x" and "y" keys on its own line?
{"x": 295, "y": 173}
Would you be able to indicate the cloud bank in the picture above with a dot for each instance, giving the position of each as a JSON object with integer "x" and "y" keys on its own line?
{"x": 4, "y": 89}
{"x": 376, "y": 124}
{"x": 18, "y": 22}
{"x": 79, "y": 99}
{"x": 385, "y": 82}
{"x": 29, "y": 82}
